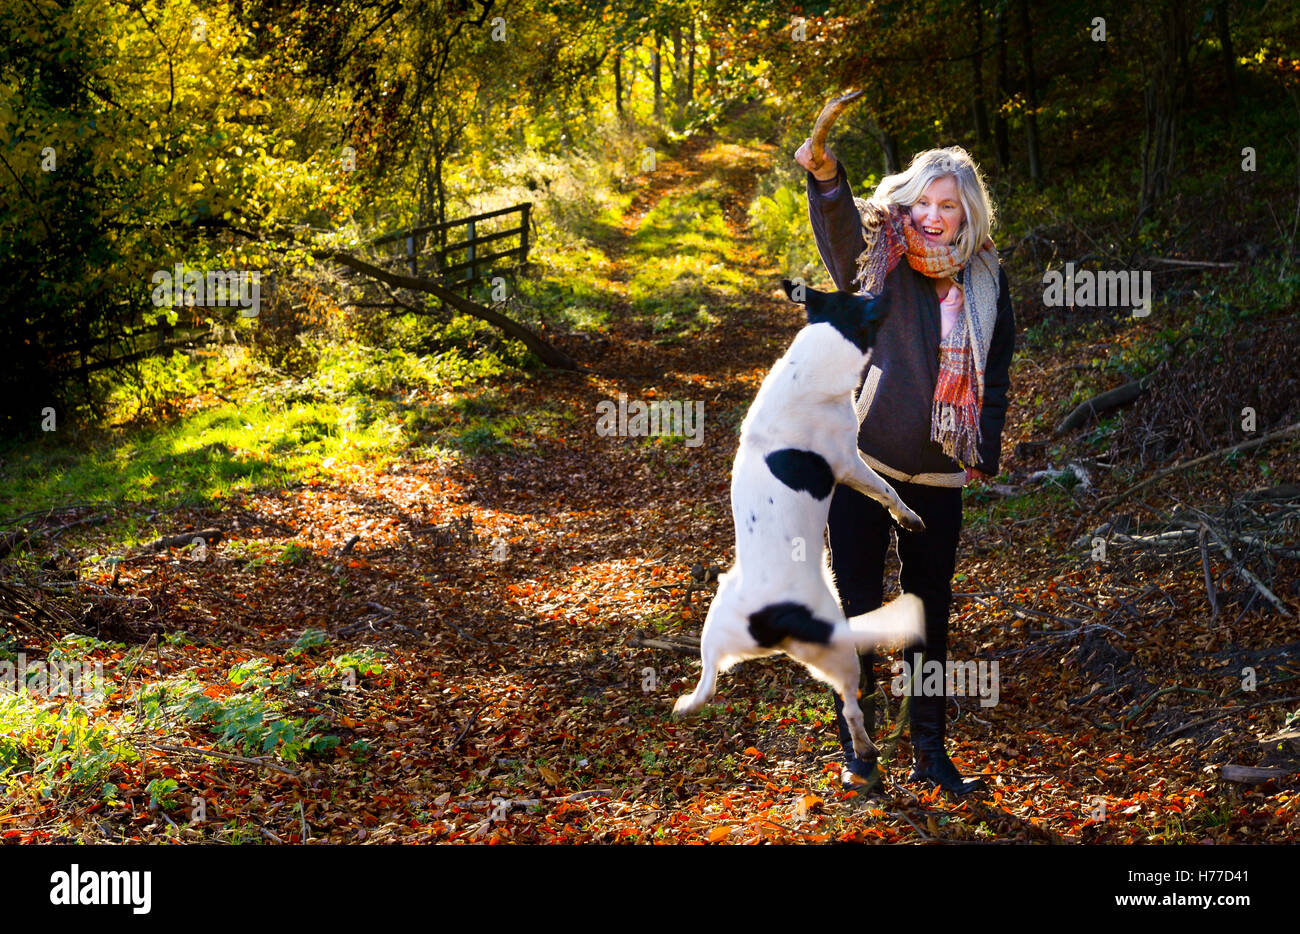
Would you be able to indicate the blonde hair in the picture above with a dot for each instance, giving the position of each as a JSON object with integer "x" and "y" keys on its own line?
{"x": 905, "y": 189}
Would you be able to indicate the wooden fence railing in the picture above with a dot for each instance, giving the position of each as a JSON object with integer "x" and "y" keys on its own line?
{"x": 476, "y": 266}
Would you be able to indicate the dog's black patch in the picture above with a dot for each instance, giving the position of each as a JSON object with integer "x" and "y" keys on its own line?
{"x": 802, "y": 470}
{"x": 779, "y": 621}
{"x": 857, "y": 316}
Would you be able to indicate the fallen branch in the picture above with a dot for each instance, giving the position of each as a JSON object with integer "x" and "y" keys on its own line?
{"x": 1248, "y": 775}
{"x": 469, "y": 725}
{"x": 551, "y": 356}
{"x": 12, "y": 540}
{"x": 1227, "y": 711}
{"x": 1196, "y": 264}
{"x": 1055, "y": 473}
{"x": 1246, "y": 573}
{"x": 1244, "y": 446}
{"x": 1111, "y": 399}
{"x": 1210, "y": 590}
{"x": 679, "y": 647}
{"x": 210, "y": 536}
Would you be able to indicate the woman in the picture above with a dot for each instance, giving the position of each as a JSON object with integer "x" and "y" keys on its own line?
{"x": 931, "y": 402}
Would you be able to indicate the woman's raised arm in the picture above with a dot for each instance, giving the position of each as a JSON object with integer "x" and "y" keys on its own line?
{"x": 836, "y": 227}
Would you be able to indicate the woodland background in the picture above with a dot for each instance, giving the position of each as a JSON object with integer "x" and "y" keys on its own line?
{"x": 360, "y": 568}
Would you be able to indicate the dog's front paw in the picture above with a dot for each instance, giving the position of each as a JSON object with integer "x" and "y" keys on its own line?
{"x": 684, "y": 707}
{"x": 909, "y": 520}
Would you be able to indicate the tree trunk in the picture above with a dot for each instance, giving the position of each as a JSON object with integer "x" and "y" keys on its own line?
{"x": 631, "y": 74}
{"x": 1001, "y": 137}
{"x": 1164, "y": 67}
{"x": 712, "y": 69}
{"x": 1225, "y": 49}
{"x": 977, "y": 78}
{"x": 658, "y": 82}
{"x": 690, "y": 64}
{"x": 889, "y": 143}
{"x": 440, "y": 194}
{"x": 618, "y": 81}
{"x": 679, "y": 69}
{"x": 1031, "y": 92}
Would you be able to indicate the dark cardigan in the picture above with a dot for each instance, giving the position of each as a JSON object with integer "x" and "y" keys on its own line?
{"x": 894, "y": 410}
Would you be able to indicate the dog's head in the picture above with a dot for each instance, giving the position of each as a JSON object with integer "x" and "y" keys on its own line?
{"x": 856, "y": 315}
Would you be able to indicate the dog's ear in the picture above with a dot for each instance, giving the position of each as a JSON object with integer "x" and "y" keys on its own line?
{"x": 868, "y": 305}
{"x": 795, "y": 291}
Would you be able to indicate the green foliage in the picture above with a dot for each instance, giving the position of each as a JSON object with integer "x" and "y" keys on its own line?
{"x": 48, "y": 747}
{"x": 361, "y": 662}
{"x": 163, "y": 793}
{"x": 294, "y": 554}
{"x": 310, "y": 640}
{"x": 252, "y": 719}
{"x": 784, "y": 233}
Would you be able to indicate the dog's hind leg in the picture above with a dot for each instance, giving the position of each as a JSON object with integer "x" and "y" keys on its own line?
{"x": 711, "y": 641}
{"x": 842, "y": 674}
{"x": 688, "y": 704}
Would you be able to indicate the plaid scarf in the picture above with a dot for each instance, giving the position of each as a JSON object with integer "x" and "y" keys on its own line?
{"x": 959, "y": 391}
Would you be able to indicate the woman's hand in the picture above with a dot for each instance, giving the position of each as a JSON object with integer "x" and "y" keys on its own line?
{"x": 829, "y": 167}
{"x": 974, "y": 473}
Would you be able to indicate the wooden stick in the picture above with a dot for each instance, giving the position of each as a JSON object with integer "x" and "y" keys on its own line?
{"x": 1209, "y": 580}
{"x": 669, "y": 646}
{"x": 903, "y": 814}
{"x": 1193, "y": 263}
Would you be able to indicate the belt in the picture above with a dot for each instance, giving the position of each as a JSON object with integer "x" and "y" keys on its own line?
{"x": 957, "y": 479}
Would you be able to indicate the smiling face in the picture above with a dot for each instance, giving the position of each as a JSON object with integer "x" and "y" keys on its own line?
{"x": 938, "y": 213}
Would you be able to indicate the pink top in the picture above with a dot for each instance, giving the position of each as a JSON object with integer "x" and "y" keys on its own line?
{"x": 949, "y": 310}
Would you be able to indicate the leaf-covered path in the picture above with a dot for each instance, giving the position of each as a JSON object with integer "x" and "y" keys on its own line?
{"x": 514, "y": 702}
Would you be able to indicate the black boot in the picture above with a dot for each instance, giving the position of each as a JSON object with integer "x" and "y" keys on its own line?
{"x": 929, "y": 761}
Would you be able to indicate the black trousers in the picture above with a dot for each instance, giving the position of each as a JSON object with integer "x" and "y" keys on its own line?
{"x": 858, "y": 528}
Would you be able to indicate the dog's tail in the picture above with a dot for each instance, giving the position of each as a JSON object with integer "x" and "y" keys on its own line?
{"x": 898, "y": 623}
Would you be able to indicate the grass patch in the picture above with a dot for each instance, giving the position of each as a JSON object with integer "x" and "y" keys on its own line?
{"x": 682, "y": 261}
{"x": 1045, "y": 501}
{"x": 361, "y": 404}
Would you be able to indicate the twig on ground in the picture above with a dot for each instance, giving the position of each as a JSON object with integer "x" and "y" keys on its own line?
{"x": 193, "y": 751}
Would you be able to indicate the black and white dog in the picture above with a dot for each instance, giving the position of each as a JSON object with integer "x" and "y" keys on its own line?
{"x": 798, "y": 440}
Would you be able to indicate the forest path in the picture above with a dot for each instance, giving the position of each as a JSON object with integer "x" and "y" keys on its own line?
{"x": 504, "y": 694}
